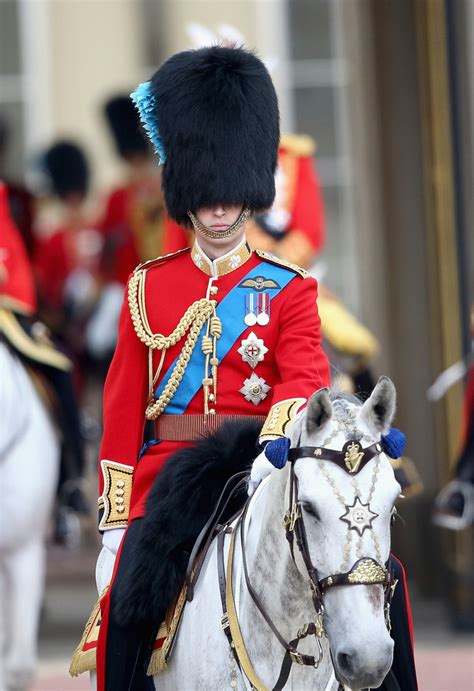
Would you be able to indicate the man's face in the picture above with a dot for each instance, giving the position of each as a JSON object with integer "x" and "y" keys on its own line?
{"x": 218, "y": 218}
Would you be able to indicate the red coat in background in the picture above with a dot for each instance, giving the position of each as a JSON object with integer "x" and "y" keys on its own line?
{"x": 136, "y": 229}
{"x": 74, "y": 248}
{"x": 17, "y": 289}
{"x": 294, "y": 227}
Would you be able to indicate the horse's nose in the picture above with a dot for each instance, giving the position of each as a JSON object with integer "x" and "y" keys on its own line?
{"x": 347, "y": 662}
{"x": 354, "y": 665}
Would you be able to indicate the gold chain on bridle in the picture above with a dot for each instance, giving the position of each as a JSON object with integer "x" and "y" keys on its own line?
{"x": 197, "y": 314}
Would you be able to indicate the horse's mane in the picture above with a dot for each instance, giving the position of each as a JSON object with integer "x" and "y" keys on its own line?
{"x": 180, "y": 502}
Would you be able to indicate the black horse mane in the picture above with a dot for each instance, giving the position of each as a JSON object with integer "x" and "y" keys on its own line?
{"x": 179, "y": 504}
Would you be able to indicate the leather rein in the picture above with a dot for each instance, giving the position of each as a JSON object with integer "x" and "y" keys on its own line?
{"x": 365, "y": 571}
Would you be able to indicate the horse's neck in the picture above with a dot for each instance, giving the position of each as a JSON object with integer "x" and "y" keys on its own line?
{"x": 283, "y": 592}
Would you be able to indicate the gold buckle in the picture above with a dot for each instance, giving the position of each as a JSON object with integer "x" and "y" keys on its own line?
{"x": 291, "y": 516}
{"x": 296, "y": 657}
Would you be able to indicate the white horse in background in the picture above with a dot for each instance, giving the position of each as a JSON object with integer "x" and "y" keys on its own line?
{"x": 29, "y": 463}
{"x": 357, "y": 648}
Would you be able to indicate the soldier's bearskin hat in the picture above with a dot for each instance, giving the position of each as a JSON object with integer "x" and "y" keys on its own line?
{"x": 67, "y": 168}
{"x": 212, "y": 115}
{"x": 124, "y": 123}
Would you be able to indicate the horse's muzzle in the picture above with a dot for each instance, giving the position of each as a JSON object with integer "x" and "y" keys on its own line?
{"x": 355, "y": 671}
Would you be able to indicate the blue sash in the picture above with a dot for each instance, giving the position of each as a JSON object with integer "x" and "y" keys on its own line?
{"x": 231, "y": 312}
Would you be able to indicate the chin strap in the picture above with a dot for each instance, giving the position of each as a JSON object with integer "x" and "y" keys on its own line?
{"x": 216, "y": 234}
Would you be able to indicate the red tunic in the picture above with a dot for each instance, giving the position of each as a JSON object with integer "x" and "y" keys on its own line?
{"x": 17, "y": 291}
{"x": 136, "y": 229}
{"x": 65, "y": 251}
{"x": 294, "y": 366}
{"x": 298, "y": 209}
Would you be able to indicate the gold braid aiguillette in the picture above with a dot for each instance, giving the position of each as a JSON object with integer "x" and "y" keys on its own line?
{"x": 193, "y": 320}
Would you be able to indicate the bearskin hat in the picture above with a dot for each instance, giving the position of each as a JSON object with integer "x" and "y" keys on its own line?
{"x": 66, "y": 166}
{"x": 214, "y": 120}
{"x": 124, "y": 123}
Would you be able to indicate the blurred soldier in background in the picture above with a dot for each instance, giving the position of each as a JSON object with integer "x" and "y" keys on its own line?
{"x": 29, "y": 339}
{"x": 134, "y": 220}
{"x": 20, "y": 199}
{"x": 67, "y": 262}
{"x": 454, "y": 507}
{"x": 135, "y": 225}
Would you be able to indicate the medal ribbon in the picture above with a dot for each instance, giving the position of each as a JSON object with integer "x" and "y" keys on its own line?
{"x": 231, "y": 312}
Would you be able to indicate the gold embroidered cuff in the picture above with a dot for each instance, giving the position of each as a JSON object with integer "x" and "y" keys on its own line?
{"x": 117, "y": 493}
{"x": 279, "y": 418}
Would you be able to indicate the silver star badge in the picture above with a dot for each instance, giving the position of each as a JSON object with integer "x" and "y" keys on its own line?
{"x": 359, "y": 516}
{"x": 255, "y": 389}
{"x": 252, "y": 350}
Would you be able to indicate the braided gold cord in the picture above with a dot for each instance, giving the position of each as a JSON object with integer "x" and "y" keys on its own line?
{"x": 140, "y": 322}
{"x": 155, "y": 409}
{"x": 193, "y": 320}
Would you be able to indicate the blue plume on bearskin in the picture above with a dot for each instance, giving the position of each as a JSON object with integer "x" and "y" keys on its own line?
{"x": 394, "y": 443}
{"x": 145, "y": 102}
{"x": 277, "y": 451}
{"x": 180, "y": 503}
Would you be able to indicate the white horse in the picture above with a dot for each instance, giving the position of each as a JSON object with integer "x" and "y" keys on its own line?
{"x": 29, "y": 462}
{"x": 356, "y": 647}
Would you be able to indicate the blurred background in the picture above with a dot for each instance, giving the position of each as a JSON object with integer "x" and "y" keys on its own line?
{"x": 384, "y": 91}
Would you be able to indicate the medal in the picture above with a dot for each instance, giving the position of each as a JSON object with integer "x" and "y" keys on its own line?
{"x": 255, "y": 389}
{"x": 263, "y": 309}
{"x": 250, "y": 318}
{"x": 252, "y": 350}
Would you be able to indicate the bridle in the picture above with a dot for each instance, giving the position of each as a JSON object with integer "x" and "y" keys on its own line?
{"x": 365, "y": 571}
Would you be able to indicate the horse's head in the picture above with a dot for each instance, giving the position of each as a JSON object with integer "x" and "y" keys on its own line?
{"x": 346, "y": 502}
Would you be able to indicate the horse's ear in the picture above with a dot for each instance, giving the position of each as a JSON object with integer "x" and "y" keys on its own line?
{"x": 379, "y": 409}
{"x": 318, "y": 411}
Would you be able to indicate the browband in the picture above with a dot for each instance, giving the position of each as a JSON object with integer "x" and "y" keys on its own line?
{"x": 352, "y": 458}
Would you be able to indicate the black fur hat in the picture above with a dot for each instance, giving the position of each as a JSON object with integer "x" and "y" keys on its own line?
{"x": 217, "y": 117}
{"x": 67, "y": 168}
{"x": 124, "y": 123}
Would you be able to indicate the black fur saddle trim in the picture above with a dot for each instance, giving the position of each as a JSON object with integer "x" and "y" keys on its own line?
{"x": 179, "y": 504}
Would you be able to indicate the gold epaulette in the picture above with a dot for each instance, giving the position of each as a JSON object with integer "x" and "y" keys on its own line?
{"x": 282, "y": 262}
{"x": 298, "y": 144}
{"x": 159, "y": 260}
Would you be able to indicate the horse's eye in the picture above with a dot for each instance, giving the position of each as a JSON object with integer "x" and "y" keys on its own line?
{"x": 393, "y": 515}
{"x": 310, "y": 510}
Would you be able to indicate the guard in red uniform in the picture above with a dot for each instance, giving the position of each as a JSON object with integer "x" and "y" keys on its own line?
{"x": 294, "y": 227}
{"x": 29, "y": 339}
{"x": 211, "y": 332}
{"x": 67, "y": 262}
{"x": 134, "y": 223}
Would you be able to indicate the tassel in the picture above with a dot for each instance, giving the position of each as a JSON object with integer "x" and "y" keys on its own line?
{"x": 276, "y": 452}
{"x": 394, "y": 443}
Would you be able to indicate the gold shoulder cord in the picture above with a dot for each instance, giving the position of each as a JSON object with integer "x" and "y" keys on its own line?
{"x": 193, "y": 320}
